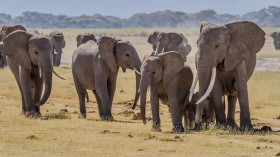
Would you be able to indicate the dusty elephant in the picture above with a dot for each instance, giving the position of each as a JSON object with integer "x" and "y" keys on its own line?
{"x": 29, "y": 58}
{"x": 58, "y": 41}
{"x": 95, "y": 67}
{"x": 276, "y": 40}
{"x": 170, "y": 81}
{"x": 6, "y": 30}
{"x": 165, "y": 42}
{"x": 225, "y": 61}
{"x": 83, "y": 38}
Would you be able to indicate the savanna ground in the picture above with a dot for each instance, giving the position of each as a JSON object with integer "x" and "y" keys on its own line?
{"x": 61, "y": 133}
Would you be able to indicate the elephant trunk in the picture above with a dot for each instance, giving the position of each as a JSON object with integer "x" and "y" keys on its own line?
{"x": 47, "y": 76}
{"x": 144, "y": 84}
{"x": 57, "y": 57}
{"x": 138, "y": 77}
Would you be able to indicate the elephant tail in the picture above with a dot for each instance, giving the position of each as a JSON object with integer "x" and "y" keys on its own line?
{"x": 86, "y": 96}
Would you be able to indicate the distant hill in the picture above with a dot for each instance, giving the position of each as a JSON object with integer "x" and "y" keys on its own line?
{"x": 267, "y": 17}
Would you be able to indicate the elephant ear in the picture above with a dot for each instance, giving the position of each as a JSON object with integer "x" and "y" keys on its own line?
{"x": 106, "y": 47}
{"x": 174, "y": 39}
{"x": 153, "y": 37}
{"x": 16, "y": 48}
{"x": 92, "y": 37}
{"x": 20, "y": 27}
{"x": 246, "y": 38}
{"x": 273, "y": 35}
{"x": 172, "y": 63}
{"x": 78, "y": 39}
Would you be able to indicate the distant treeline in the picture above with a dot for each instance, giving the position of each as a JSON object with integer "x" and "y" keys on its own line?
{"x": 267, "y": 17}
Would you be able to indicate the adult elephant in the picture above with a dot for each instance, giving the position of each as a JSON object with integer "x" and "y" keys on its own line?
{"x": 6, "y": 30}
{"x": 170, "y": 81}
{"x": 95, "y": 67}
{"x": 29, "y": 58}
{"x": 225, "y": 61}
{"x": 83, "y": 38}
{"x": 165, "y": 42}
{"x": 57, "y": 39}
{"x": 276, "y": 40}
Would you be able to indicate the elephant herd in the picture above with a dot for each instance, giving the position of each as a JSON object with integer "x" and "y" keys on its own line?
{"x": 225, "y": 61}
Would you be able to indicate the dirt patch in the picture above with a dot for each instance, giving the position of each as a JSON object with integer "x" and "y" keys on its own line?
{"x": 168, "y": 151}
{"x": 136, "y": 116}
{"x": 32, "y": 137}
{"x": 62, "y": 114}
{"x": 150, "y": 137}
{"x": 278, "y": 117}
{"x": 278, "y": 154}
{"x": 108, "y": 131}
{"x": 175, "y": 139}
{"x": 126, "y": 113}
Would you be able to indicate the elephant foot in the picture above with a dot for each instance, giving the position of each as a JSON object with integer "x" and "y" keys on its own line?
{"x": 178, "y": 129}
{"x": 231, "y": 124}
{"x": 246, "y": 127}
{"x": 107, "y": 118}
{"x": 197, "y": 127}
{"x": 22, "y": 113}
{"x": 32, "y": 114}
{"x": 82, "y": 116}
{"x": 156, "y": 129}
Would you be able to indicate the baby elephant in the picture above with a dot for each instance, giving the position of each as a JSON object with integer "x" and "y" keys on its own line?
{"x": 95, "y": 67}
{"x": 170, "y": 81}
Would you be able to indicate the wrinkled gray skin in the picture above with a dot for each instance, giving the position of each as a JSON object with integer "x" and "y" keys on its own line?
{"x": 6, "y": 30}
{"x": 27, "y": 54}
{"x": 95, "y": 67}
{"x": 232, "y": 50}
{"x": 58, "y": 42}
{"x": 276, "y": 40}
{"x": 170, "y": 82}
{"x": 83, "y": 38}
{"x": 169, "y": 42}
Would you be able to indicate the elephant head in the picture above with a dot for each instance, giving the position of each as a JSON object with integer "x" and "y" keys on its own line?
{"x": 227, "y": 46}
{"x": 164, "y": 42}
{"x": 6, "y": 30}
{"x": 118, "y": 53}
{"x": 154, "y": 69}
{"x": 58, "y": 42}
{"x": 83, "y": 38}
{"x": 29, "y": 50}
{"x": 276, "y": 40}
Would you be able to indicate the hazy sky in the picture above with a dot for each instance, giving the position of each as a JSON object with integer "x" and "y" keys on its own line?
{"x": 126, "y": 8}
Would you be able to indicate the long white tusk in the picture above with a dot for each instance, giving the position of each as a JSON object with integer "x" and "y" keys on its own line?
{"x": 138, "y": 72}
{"x": 212, "y": 81}
{"x": 162, "y": 50}
{"x": 156, "y": 51}
{"x": 40, "y": 72}
{"x": 58, "y": 75}
{"x": 193, "y": 87}
{"x": 55, "y": 52}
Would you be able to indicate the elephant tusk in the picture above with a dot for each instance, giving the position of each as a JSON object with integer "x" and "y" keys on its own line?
{"x": 58, "y": 75}
{"x": 138, "y": 72}
{"x": 193, "y": 87}
{"x": 212, "y": 81}
{"x": 162, "y": 50}
{"x": 40, "y": 72}
{"x": 55, "y": 52}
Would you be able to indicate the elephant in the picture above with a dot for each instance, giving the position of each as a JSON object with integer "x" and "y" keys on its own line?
{"x": 83, "y": 38}
{"x": 33, "y": 31}
{"x": 164, "y": 42}
{"x": 6, "y": 30}
{"x": 225, "y": 61}
{"x": 57, "y": 39}
{"x": 170, "y": 82}
{"x": 95, "y": 67}
{"x": 29, "y": 58}
{"x": 276, "y": 40}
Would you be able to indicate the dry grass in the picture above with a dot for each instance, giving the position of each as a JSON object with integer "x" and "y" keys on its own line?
{"x": 70, "y": 136}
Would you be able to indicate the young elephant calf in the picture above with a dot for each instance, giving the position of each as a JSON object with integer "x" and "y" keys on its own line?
{"x": 170, "y": 81}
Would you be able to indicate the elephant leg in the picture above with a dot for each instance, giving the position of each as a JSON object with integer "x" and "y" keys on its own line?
{"x": 25, "y": 82}
{"x": 231, "y": 112}
{"x": 38, "y": 88}
{"x": 98, "y": 103}
{"x": 102, "y": 92}
{"x": 216, "y": 98}
{"x": 155, "y": 109}
{"x": 112, "y": 82}
{"x": 23, "y": 108}
{"x": 242, "y": 94}
{"x": 212, "y": 112}
{"x": 81, "y": 94}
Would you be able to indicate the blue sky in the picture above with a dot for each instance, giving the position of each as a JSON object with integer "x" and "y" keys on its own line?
{"x": 126, "y": 8}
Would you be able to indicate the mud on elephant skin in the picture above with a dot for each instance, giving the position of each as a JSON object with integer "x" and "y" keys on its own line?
{"x": 29, "y": 58}
{"x": 225, "y": 61}
{"x": 95, "y": 67}
{"x": 170, "y": 81}
{"x": 83, "y": 38}
{"x": 58, "y": 41}
{"x": 164, "y": 42}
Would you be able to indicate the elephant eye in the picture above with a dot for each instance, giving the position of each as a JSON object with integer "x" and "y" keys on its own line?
{"x": 153, "y": 72}
{"x": 217, "y": 46}
{"x": 36, "y": 52}
{"x": 127, "y": 55}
